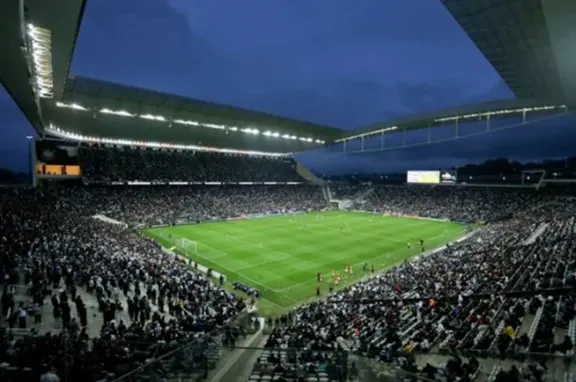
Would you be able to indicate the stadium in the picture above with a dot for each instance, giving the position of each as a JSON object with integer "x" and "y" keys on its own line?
{"x": 173, "y": 239}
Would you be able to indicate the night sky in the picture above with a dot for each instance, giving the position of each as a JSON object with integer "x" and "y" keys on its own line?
{"x": 341, "y": 63}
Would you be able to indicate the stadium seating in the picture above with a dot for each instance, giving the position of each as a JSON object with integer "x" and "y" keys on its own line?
{"x": 452, "y": 202}
{"x": 502, "y": 291}
{"x": 100, "y": 163}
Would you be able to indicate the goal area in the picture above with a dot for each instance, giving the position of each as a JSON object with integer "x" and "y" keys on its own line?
{"x": 188, "y": 247}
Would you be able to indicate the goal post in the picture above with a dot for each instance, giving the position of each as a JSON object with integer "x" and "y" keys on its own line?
{"x": 188, "y": 247}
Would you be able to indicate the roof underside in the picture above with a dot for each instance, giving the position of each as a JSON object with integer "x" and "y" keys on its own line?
{"x": 62, "y": 18}
{"x": 525, "y": 41}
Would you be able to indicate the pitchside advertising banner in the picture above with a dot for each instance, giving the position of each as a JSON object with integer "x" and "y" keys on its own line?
{"x": 431, "y": 177}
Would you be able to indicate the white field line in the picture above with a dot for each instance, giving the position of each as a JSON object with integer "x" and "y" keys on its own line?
{"x": 224, "y": 254}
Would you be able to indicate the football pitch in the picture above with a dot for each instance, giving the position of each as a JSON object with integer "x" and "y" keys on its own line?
{"x": 282, "y": 255}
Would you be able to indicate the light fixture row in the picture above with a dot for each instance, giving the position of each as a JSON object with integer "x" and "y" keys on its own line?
{"x": 40, "y": 43}
{"x": 460, "y": 117}
{"x": 160, "y": 118}
{"x": 500, "y": 112}
{"x": 372, "y": 132}
{"x": 58, "y": 132}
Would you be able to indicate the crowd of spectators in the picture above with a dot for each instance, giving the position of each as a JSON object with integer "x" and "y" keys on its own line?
{"x": 171, "y": 204}
{"x": 467, "y": 296}
{"x": 468, "y": 204}
{"x": 474, "y": 296}
{"x": 49, "y": 242}
{"x": 121, "y": 164}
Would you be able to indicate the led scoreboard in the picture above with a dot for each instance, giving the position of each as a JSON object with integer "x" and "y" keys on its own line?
{"x": 423, "y": 177}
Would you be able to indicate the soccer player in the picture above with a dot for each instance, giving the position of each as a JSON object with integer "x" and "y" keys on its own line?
{"x": 317, "y": 290}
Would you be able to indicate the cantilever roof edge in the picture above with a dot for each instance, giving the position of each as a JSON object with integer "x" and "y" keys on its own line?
{"x": 423, "y": 119}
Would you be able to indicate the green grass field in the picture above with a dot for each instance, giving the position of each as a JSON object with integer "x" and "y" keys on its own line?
{"x": 281, "y": 255}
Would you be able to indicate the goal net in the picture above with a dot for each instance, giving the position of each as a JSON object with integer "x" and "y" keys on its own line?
{"x": 188, "y": 247}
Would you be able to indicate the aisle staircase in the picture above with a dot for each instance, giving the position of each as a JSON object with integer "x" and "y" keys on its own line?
{"x": 308, "y": 175}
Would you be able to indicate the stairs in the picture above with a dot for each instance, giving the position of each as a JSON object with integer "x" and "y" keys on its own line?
{"x": 362, "y": 195}
{"x": 308, "y": 175}
{"x": 329, "y": 193}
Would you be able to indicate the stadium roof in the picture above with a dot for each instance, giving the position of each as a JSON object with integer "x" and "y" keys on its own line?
{"x": 184, "y": 121}
{"x": 479, "y": 111}
{"x": 95, "y": 107}
{"x": 530, "y": 43}
{"x": 63, "y": 26}
{"x": 527, "y": 41}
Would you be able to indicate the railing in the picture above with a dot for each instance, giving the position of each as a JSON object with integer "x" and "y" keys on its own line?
{"x": 123, "y": 360}
{"x": 195, "y": 359}
{"x": 201, "y": 358}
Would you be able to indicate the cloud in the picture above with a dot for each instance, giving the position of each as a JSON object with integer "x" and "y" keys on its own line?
{"x": 141, "y": 43}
